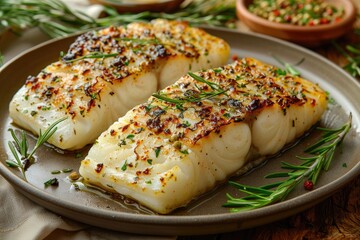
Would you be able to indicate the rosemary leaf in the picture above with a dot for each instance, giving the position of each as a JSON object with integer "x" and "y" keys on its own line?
{"x": 10, "y": 163}
{"x": 17, "y": 161}
{"x": 212, "y": 85}
{"x": 249, "y": 188}
{"x": 277, "y": 175}
{"x": 51, "y": 182}
{"x": 93, "y": 55}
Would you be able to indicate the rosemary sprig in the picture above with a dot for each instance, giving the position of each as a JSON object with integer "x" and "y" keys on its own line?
{"x": 92, "y": 55}
{"x": 353, "y": 65}
{"x": 193, "y": 96}
{"x": 56, "y": 19}
{"x": 322, "y": 154}
{"x": 19, "y": 147}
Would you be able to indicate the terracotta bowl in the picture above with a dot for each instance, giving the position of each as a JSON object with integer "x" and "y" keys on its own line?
{"x": 304, "y": 35}
{"x": 136, "y": 7}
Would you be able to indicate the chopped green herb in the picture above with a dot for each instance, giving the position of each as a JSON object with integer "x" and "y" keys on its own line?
{"x": 186, "y": 123}
{"x": 56, "y": 172}
{"x": 67, "y": 170}
{"x": 148, "y": 107}
{"x": 51, "y": 182}
{"x": 78, "y": 155}
{"x": 227, "y": 115}
{"x": 344, "y": 165}
{"x": 157, "y": 151}
{"x": 122, "y": 142}
{"x": 93, "y": 96}
{"x": 149, "y": 161}
{"x": 331, "y": 100}
{"x": 139, "y": 130}
{"x": 184, "y": 151}
{"x": 124, "y": 166}
{"x": 148, "y": 182}
{"x": 280, "y": 72}
{"x": 130, "y": 136}
{"x": 45, "y": 108}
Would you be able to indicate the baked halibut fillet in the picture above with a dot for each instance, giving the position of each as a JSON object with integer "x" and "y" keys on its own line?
{"x": 201, "y": 130}
{"x": 105, "y": 73}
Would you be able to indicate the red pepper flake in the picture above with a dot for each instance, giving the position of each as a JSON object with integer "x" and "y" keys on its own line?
{"x": 276, "y": 13}
{"x": 312, "y": 102}
{"x": 308, "y": 185}
{"x": 99, "y": 167}
{"x": 125, "y": 127}
{"x": 146, "y": 171}
{"x": 112, "y": 132}
{"x": 235, "y": 57}
{"x": 338, "y": 19}
{"x": 324, "y": 21}
{"x": 287, "y": 18}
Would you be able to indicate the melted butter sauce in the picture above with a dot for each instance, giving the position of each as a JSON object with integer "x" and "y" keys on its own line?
{"x": 120, "y": 199}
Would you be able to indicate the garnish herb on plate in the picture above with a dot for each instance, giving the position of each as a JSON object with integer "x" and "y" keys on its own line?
{"x": 65, "y": 170}
{"x": 290, "y": 68}
{"x": 51, "y": 182}
{"x": 57, "y": 20}
{"x": 321, "y": 155}
{"x": 92, "y": 55}
{"x": 352, "y": 55}
{"x": 19, "y": 147}
{"x": 194, "y": 96}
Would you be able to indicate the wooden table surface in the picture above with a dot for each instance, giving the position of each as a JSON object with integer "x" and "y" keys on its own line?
{"x": 338, "y": 217}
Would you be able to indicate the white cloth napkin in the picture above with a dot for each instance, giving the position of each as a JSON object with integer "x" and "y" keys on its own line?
{"x": 20, "y": 218}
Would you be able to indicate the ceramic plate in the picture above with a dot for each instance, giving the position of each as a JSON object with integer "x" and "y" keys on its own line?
{"x": 206, "y": 214}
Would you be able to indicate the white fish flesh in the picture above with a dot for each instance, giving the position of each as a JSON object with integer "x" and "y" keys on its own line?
{"x": 107, "y": 72}
{"x": 201, "y": 130}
